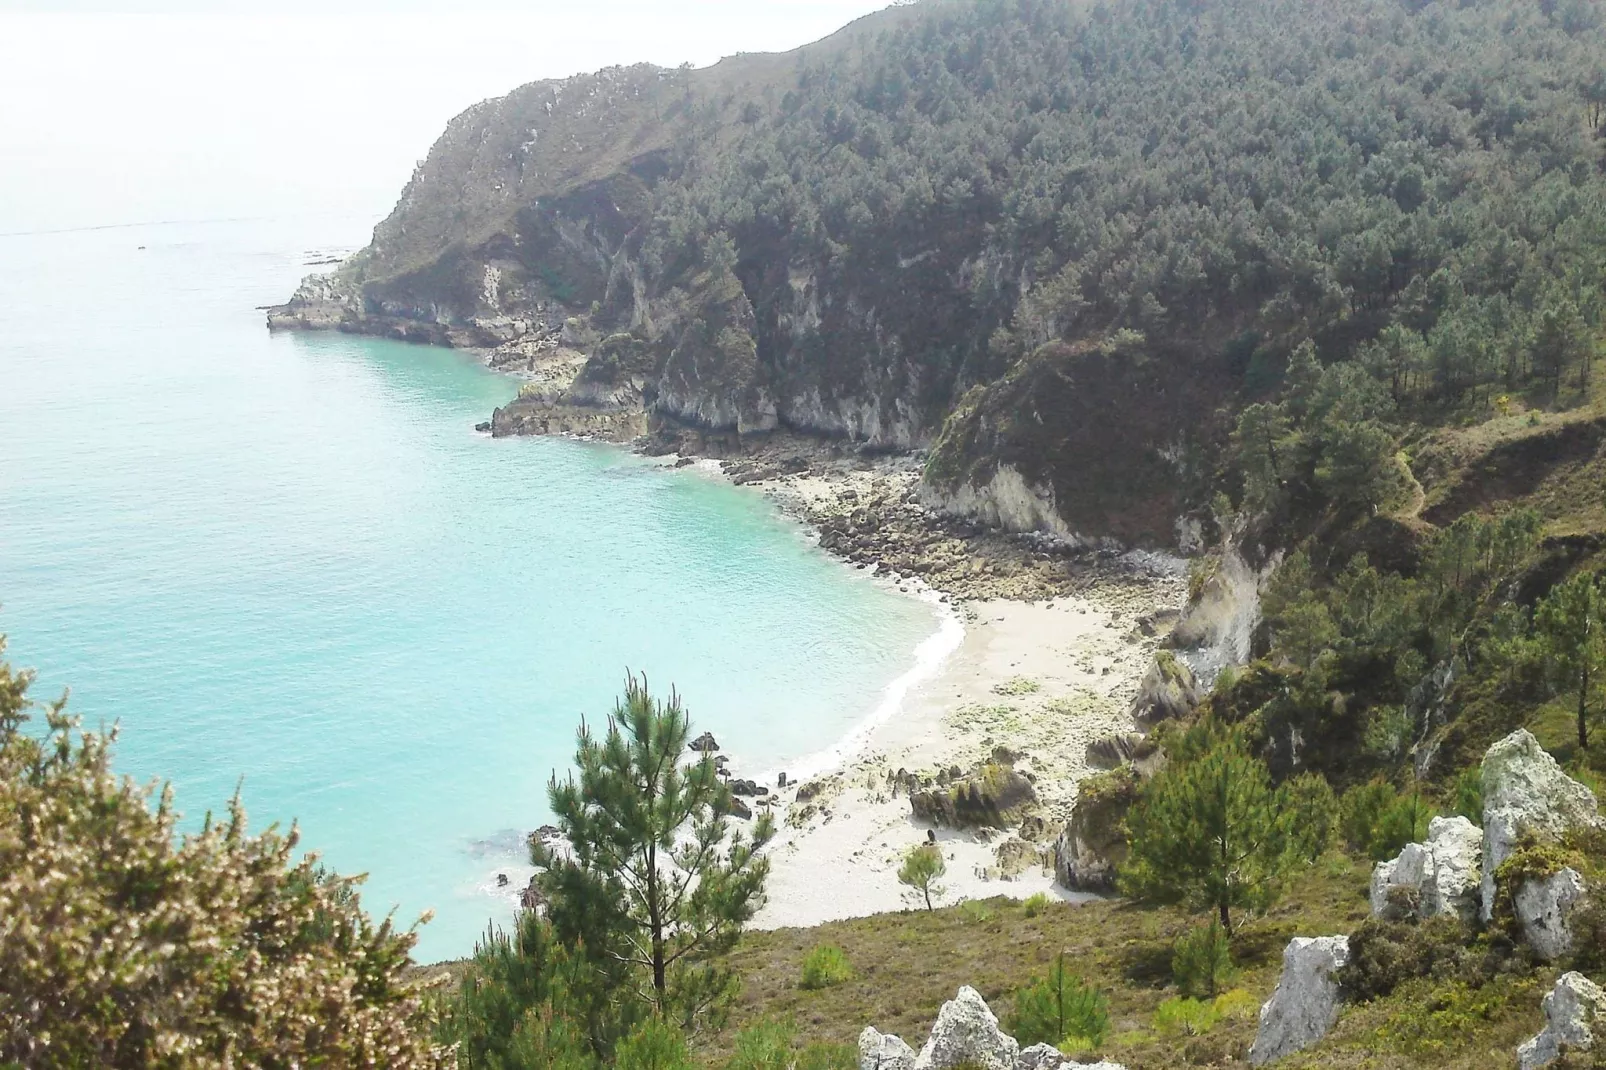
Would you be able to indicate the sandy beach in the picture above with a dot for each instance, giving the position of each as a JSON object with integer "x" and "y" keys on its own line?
{"x": 1042, "y": 678}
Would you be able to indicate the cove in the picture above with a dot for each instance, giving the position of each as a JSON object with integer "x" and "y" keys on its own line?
{"x": 288, "y": 562}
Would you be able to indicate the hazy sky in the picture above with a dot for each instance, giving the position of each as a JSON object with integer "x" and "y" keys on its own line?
{"x": 197, "y": 109}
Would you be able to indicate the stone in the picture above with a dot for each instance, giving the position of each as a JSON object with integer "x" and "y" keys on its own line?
{"x": 741, "y": 809}
{"x": 883, "y": 1051}
{"x": 705, "y": 744}
{"x": 1093, "y": 845}
{"x": 995, "y": 796}
{"x": 1544, "y": 908}
{"x": 1118, "y": 749}
{"x": 1168, "y": 692}
{"x": 1040, "y": 1057}
{"x": 1305, "y": 1004}
{"x": 967, "y": 1034}
{"x": 1573, "y": 1010}
{"x": 1525, "y": 790}
{"x": 1440, "y": 876}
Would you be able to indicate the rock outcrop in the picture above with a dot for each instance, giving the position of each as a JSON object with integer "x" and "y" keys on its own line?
{"x": 1093, "y": 846}
{"x": 1525, "y": 791}
{"x": 1437, "y": 877}
{"x": 1305, "y": 1004}
{"x": 1574, "y": 1010}
{"x": 966, "y": 1034}
{"x": 1544, "y": 910}
{"x": 1168, "y": 691}
{"x": 994, "y": 795}
{"x": 883, "y": 1051}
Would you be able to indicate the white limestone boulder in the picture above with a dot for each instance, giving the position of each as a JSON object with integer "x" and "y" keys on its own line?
{"x": 883, "y": 1051}
{"x": 1525, "y": 790}
{"x": 1305, "y": 1004}
{"x": 1048, "y": 1057}
{"x": 1574, "y": 1010}
{"x": 1544, "y": 909}
{"x": 967, "y": 1033}
{"x": 1440, "y": 876}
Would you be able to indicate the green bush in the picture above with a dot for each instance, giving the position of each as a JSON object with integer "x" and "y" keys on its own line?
{"x": 1313, "y": 810}
{"x": 1184, "y": 1017}
{"x": 772, "y": 1045}
{"x": 1406, "y": 821}
{"x": 1201, "y": 961}
{"x": 1035, "y": 904}
{"x": 976, "y": 912}
{"x": 654, "y": 1045}
{"x": 825, "y": 965}
{"x": 1237, "y": 1004}
{"x": 1385, "y": 954}
{"x": 1469, "y": 794}
{"x": 1060, "y": 1010}
{"x": 1360, "y": 812}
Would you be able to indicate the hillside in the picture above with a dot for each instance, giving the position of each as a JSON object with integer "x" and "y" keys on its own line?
{"x": 1151, "y": 203}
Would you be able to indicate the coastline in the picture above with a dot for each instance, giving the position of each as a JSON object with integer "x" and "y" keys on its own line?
{"x": 1040, "y": 651}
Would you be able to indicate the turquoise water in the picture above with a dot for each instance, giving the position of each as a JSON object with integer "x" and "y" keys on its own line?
{"x": 290, "y": 559}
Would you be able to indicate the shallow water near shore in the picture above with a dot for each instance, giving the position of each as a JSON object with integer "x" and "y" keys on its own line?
{"x": 289, "y": 559}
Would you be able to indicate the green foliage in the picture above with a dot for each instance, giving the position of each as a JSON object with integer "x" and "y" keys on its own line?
{"x": 825, "y": 965}
{"x": 1035, "y": 904}
{"x": 1060, "y": 1010}
{"x": 656, "y": 884}
{"x": 654, "y": 1045}
{"x": 1385, "y": 954}
{"x": 772, "y": 1045}
{"x": 922, "y": 867}
{"x": 1201, "y": 961}
{"x": 1181, "y": 1016}
{"x": 1571, "y": 625}
{"x": 1237, "y": 1004}
{"x": 1313, "y": 815}
{"x": 1019, "y": 685}
{"x": 125, "y": 942}
{"x": 1209, "y": 831}
{"x": 1440, "y": 1019}
{"x": 1469, "y": 794}
{"x": 1405, "y": 821}
{"x": 977, "y": 912}
{"x": 1378, "y": 821}
{"x": 523, "y": 1003}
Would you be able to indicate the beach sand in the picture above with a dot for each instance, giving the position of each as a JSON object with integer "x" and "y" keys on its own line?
{"x": 1044, "y": 679}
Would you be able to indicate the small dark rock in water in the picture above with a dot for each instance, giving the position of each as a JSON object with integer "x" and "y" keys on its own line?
{"x": 931, "y": 835}
{"x": 484, "y": 427}
{"x": 780, "y": 781}
{"x": 682, "y": 462}
{"x": 705, "y": 743}
{"x": 748, "y": 787}
{"x": 501, "y": 880}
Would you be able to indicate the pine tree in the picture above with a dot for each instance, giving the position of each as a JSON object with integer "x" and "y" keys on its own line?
{"x": 1210, "y": 832}
{"x": 654, "y": 884}
{"x": 921, "y": 868}
{"x": 1571, "y": 629}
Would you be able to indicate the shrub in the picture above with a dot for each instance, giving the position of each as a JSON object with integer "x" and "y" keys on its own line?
{"x": 1184, "y": 1017}
{"x": 1061, "y": 1010}
{"x": 1361, "y": 811}
{"x": 1469, "y": 794}
{"x": 1019, "y": 685}
{"x": 976, "y": 912}
{"x": 654, "y": 1045}
{"x": 921, "y": 869}
{"x": 1406, "y": 821}
{"x": 1237, "y": 1004}
{"x": 1035, "y": 904}
{"x": 1201, "y": 962}
{"x": 824, "y": 966}
{"x": 1313, "y": 809}
{"x": 127, "y": 944}
{"x": 1385, "y": 954}
{"x": 772, "y": 1045}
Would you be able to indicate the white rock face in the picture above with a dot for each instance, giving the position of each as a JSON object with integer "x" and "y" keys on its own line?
{"x": 1441, "y": 876}
{"x": 1040, "y": 1057}
{"x": 883, "y": 1051}
{"x": 967, "y": 1032}
{"x": 1543, "y": 909}
{"x": 1305, "y": 1004}
{"x": 1573, "y": 1011}
{"x": 1525, "y": 789}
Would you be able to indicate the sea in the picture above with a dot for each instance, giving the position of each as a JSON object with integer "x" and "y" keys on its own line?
{"x": 286, "y": 564}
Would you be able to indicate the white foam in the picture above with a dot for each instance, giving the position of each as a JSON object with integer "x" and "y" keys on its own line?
{"x": 929, "y": 657}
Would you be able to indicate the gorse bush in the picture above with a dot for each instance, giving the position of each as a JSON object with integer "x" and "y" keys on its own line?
{"x": 1035, "y": 904}
{"x": 1061, "y": 1010}
{"x": 825, "y": 966}
{"x": 1182, "y": 1016}
{"x": 1201, "y": 962}
{"x": 772, "y": 1045}
{"x": 654, "y": 1045}
{"x": 125, "y": 943}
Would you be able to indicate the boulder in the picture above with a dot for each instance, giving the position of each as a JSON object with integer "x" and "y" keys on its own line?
{"x": 1048, "y": 1057}
{"x": 1305, "y": 1004}
{"x": 1574, "y": 1009}
{"x": 1437, "y": 877}
{"x": 1525, "y": 790}
{"x": 1118, "y": 749}
{"x": 996, "y": 795}
{"x": 967, "y": 1034}
{"x": 1168, "y": 692}
{"x": 741, "y": 809}
{"x": 705, "y": 744}
{"x": 1544, "y": 908}
{"x": 749, "y": 788}
{"x": 1093, "y": 845}
{"x": 883, "y": 1051}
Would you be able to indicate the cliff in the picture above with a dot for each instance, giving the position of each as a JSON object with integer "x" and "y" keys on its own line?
{"x": 1057, "y": 244}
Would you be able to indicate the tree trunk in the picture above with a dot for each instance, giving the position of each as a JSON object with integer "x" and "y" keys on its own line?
{"x": 1583, "y": 709}
{"x": 1226, "y": 920}
{"x": 927, "y": 890}
{"x": 655, "y": 920}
